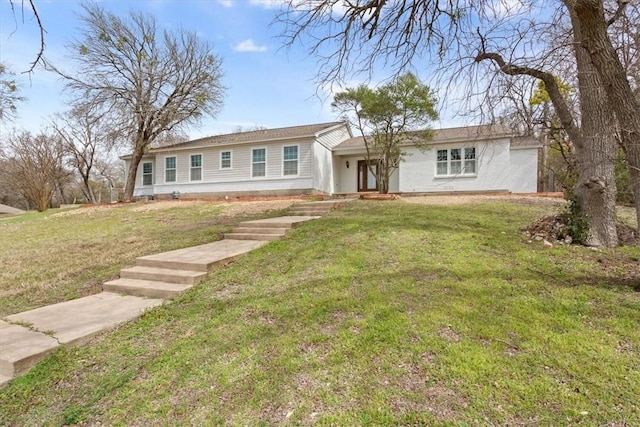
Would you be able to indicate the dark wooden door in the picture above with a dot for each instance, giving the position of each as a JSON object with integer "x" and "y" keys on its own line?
{"x": 366, "y": 179}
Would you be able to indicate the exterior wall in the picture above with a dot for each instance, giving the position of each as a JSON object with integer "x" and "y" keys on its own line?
{"x": 334, "y": 137}
{"x": 523, "y": 170}
{"x": 286, "y": 186}
{"x": 323, "y": 169}
{"x": 493, "y": 166}
{"x": 144, "y": 190}
{"x": 238, "y": 178}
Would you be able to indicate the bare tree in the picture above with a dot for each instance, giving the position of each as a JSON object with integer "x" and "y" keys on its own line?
{"x": 591, "y": 21}
{"x": 9, "y": 95}
{"x": 86, "y": 137}
{"x": 31, "y": 8}
{"x": 594, "y": 139}
{"x": 34, "y": 166}
{"x": 356, "y": 36}
{"x": 152, "y": 81}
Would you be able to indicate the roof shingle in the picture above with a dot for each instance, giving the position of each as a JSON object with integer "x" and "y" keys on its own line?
{"x": 253, "y": 136}
{"x": 449, "y": 134}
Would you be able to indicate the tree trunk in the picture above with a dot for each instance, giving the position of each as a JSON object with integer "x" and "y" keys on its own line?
{"x": 136, "y": 157}
{"x": 591, "y": 21}
{"x": 596, "y": 153}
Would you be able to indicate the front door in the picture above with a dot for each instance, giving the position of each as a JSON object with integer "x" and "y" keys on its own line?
{"x": 366, "y": 179}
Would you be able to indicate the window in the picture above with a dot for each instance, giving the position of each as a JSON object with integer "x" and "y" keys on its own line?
{"x": 169, "y": 169}
{"x": 455, "y": 166}
{"x": 258, "y": 162}
{"x": 225, "y": 160}
{"x": 147, "y": 173}
{"x": 470, "y": 160}
{"x": 196, "y": 167}
{"x": 443, "y": 162}
{"x": 290, "y": 160}
{"x": 456, "y": 161}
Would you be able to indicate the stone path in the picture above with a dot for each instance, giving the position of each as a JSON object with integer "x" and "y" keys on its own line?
{"x": 26, "y": 338}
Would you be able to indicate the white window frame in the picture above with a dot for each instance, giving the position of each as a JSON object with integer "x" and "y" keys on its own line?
{"x": 230, "y": 160}
{"x": 462, "y": 161}
{"x": 150, "y": 174}
{"x": 297, "y": 160}
{"x": 263, "y": 162}
{"x": 191, "y": 167}
{"x": 174, "y": 169}
{"x": 474, "y": 160}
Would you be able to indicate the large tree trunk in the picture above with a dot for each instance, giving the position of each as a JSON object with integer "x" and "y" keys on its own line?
{"x": 136, "y": 157}
{"x": 592, "y": 23}
{"x": 596, "y": 153}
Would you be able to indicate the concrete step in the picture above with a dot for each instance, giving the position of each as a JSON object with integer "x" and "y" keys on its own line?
{"x": 22, "y": 348}
{"x": 253, "y": 236}
{"x": 75, "y": 321}
{"x": 280, "y": 222}
{"x": 4, "y": 380}
{"x": 309, "y": 211}
{"x": 204, "y": 258}
{"x": 168, "y": 275}
{"x": 145, "y": 288}
{"x": 261, "y": 230}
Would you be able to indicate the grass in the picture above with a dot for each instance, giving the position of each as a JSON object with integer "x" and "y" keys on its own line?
{"x": 383, "y": 313}
{"x": 60, "y": 255}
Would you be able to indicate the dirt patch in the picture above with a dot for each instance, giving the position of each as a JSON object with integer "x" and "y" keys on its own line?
{"x": 549, "y": 199}
{"x": 231, "y": 209}
{"x": 169, "y": 204}
{"x": 554, "y": 229}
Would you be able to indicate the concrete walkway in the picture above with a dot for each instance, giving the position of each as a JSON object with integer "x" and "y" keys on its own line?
{"x": 26, "y": 338}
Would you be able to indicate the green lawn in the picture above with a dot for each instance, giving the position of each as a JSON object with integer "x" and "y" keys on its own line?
{"x": 382, "y": 313}
{"x": 60, "y": 255}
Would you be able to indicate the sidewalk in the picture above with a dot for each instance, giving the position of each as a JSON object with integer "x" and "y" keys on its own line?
{"x": 26, "y": 338}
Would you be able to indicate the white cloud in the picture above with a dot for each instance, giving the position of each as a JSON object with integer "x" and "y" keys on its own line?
{"x": 226, "y": 3}
{"x": 249, "y": 45}
{"x": 267, "y": 4}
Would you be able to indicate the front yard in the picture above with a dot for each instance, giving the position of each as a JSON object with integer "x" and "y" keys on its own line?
{"x": 383, "y": 313}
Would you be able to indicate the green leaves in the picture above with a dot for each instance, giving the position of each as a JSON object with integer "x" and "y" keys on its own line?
{"x": 388, "y": 116}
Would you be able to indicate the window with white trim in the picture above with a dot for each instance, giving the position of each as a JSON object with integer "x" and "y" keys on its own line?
{"x": 258, "y": 162}
{"x": 290, "y": 160}
{"x": 170, "y": 169}
{"x": 470, "y": 160}
{"x": 147, "y": 173}
{"x": 225, "y": 160}
{"x": 456, "y": 161}
{"x": 196, "y": 167}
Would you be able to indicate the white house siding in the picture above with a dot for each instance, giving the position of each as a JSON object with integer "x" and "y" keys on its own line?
{"x": 140, "y": 190}
{"x": 418, "y": 170}
{"x": 238, "y": 178}
{"x": 524, "y": 163}
{"x": 270, "y": 187}
{"x": 323, "y": 169}
{"x": 334, "y": 137}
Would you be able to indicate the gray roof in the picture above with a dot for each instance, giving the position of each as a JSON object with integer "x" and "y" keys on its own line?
{"x": 305, "y": 131}
{"x": 466, "y": 133}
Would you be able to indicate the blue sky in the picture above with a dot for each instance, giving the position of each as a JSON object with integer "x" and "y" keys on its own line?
{"x": 267, "y": 85}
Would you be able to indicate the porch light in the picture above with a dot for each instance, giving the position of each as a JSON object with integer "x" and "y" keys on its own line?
{"x": 347, "y": 164}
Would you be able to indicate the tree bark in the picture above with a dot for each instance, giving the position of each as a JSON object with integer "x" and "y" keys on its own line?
{"x": 596, "y": 151}
{"x": 591, "y": 22}
{"x": 596, "y": 182}
{"x": 136, "y": 157}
